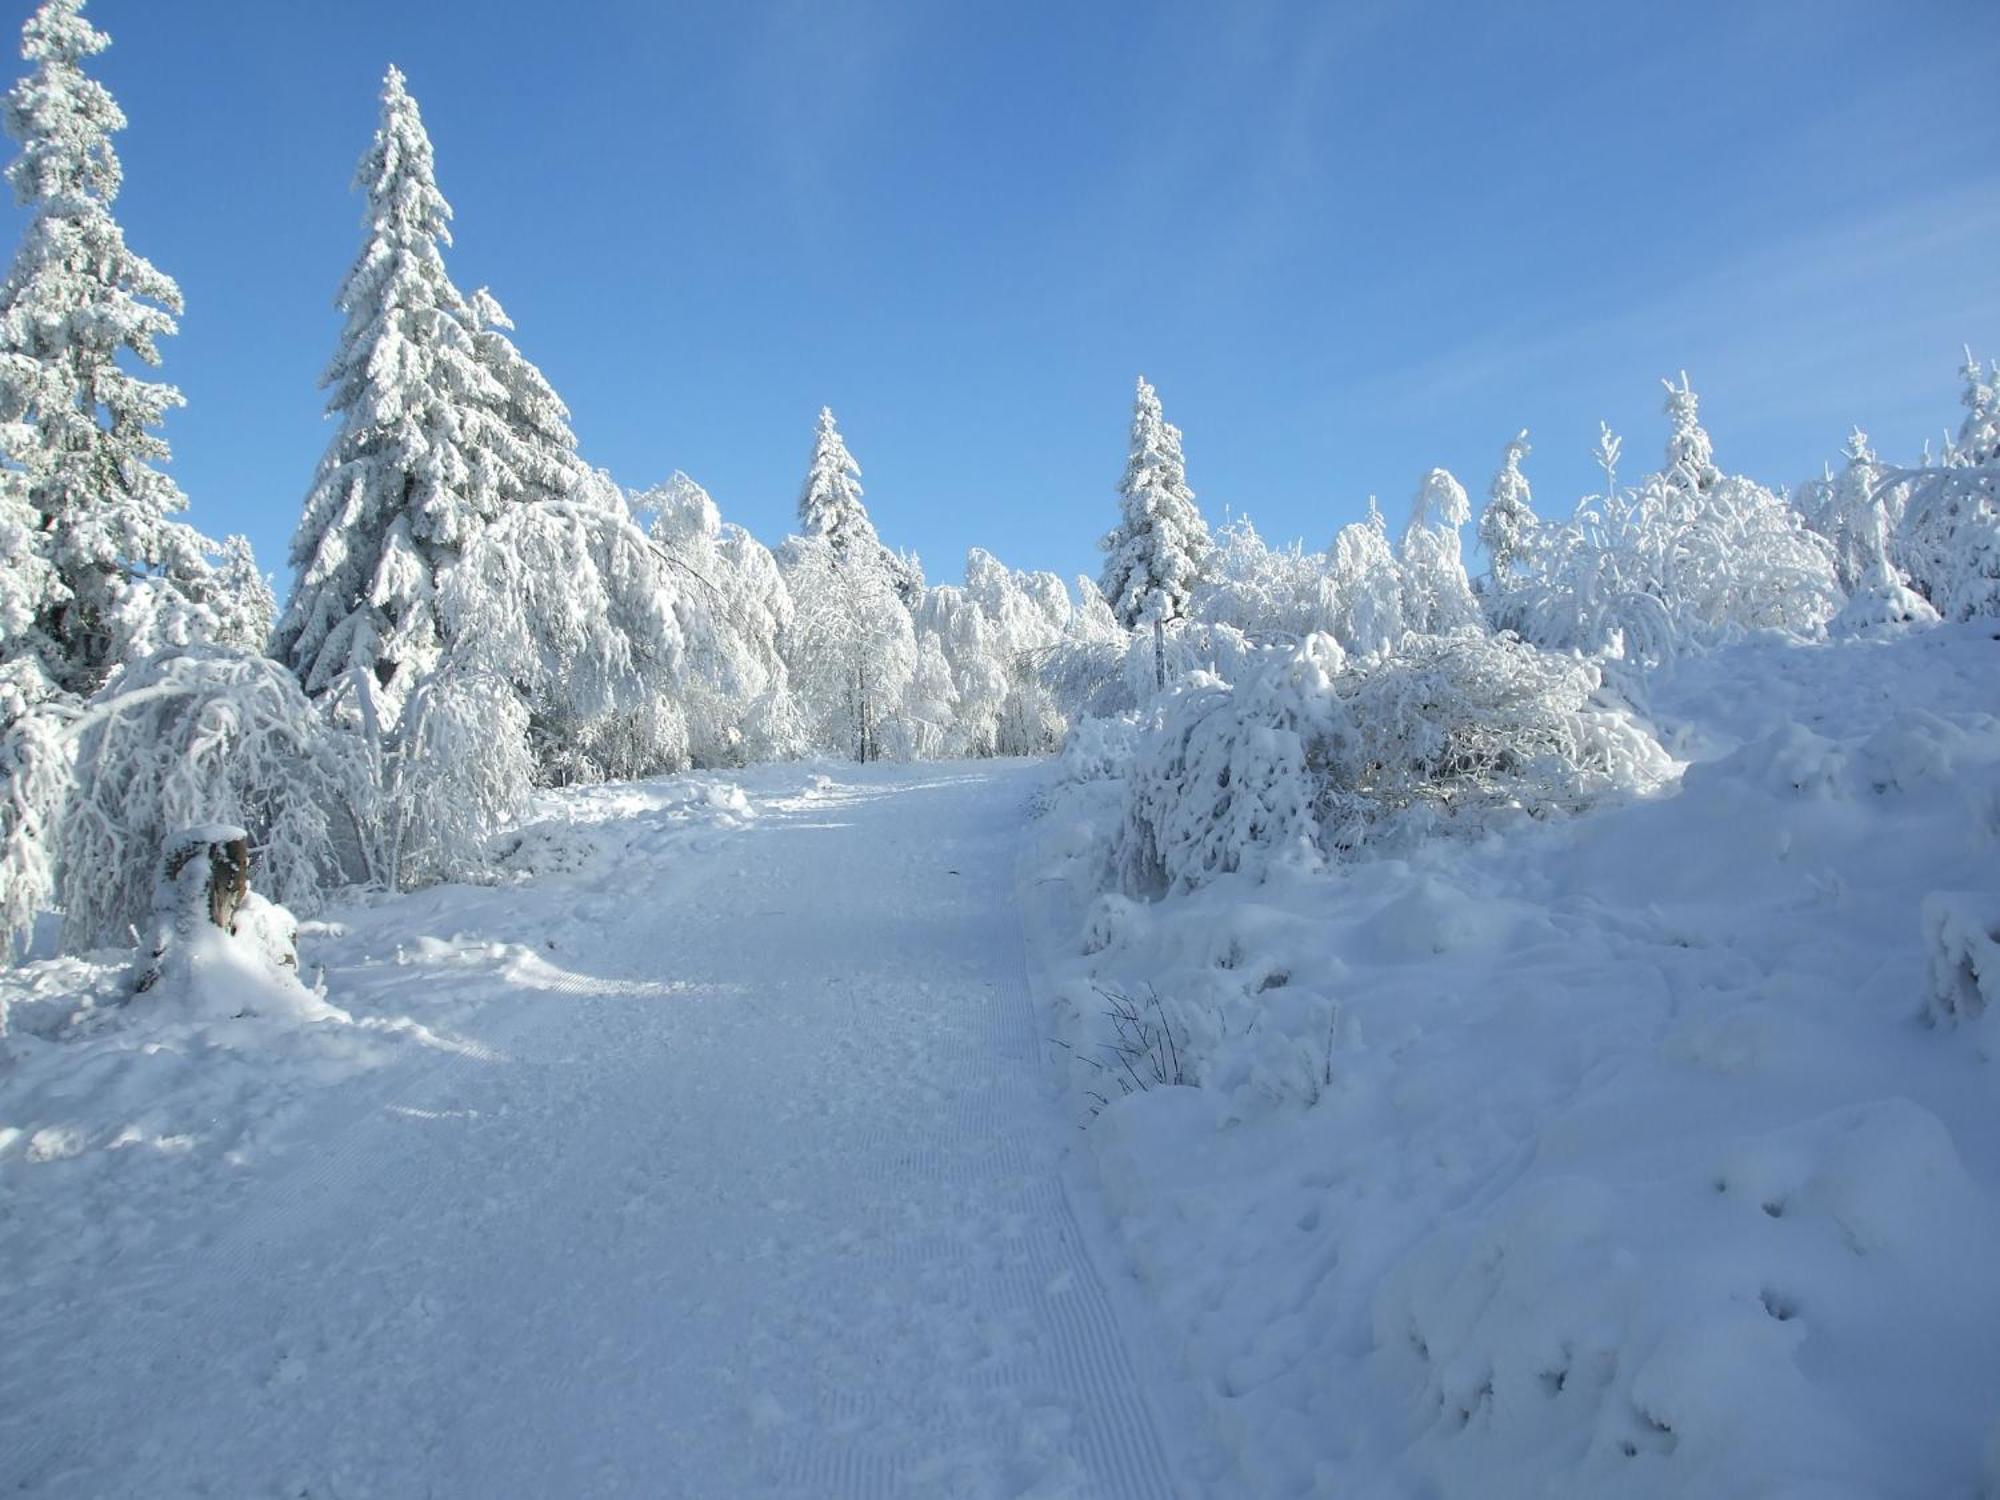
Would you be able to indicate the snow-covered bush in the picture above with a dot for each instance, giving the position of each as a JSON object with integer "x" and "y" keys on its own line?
{"x": 1962, "y": 941}
{"x": 1098, "y": 749}
{"x": 1316, "y": 754}
{"x": 460, "y": 773}
{"x": 1457, "y": 728}
{"x": 35, "y": 778}
{"x": 1222, "y": 783}
{"x": 207, "y": 736}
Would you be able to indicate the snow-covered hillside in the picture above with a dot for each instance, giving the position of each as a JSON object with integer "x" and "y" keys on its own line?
{"x": 1631, "y": 1154}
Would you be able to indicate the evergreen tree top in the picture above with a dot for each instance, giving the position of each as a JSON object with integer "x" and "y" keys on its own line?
{"x": 830, "y": 503}
{"x": 1510, "y": 485}
{"x": 1157, "y": 552}
{"x": 398, "y": 173}
{"x": 1690, "y": 453}
{"x": 63, "y": 119}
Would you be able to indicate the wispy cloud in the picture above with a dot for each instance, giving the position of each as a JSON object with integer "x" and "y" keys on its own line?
{"x": 1796, "y": 320}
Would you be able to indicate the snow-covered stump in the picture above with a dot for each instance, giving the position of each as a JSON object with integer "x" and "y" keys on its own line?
{"x": 205, "y": 881}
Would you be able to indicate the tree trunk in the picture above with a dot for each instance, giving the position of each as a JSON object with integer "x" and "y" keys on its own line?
{"x": 1159, "y": 654}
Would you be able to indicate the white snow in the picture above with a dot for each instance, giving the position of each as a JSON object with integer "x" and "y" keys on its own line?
{"x": 1648, "y": 1152}
{"x": 710, "y": 1153}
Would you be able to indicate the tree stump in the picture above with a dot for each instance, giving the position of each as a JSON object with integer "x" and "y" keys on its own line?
{"x": 227, "y": 853}
{"x": 204, "y": 877}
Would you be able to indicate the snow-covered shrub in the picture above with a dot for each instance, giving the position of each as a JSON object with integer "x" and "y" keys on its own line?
{"x": 35, "y": 778}
{"x": 1098, "y": 749}
{"x": 1463, "y": 726}
{"x": 1222, "y": 783}
{"x": 1316, "y": 754}
{"x": 460, "y": 772}
{"x": 207, "y": 736}
{"x": 1962, "y": 940}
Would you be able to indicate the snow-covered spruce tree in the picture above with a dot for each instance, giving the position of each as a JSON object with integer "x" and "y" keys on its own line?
{"x": 1951, "y": 539}
{"x": 830, "y": 507}
{"x": 422, "y": 459}
{"x": 1437, "y": 594}
{"x": 1507, "y": 525}
{"x": 534, "y": 437}
{"x": 97, "y": 569}
{"x": 1690, "y": 462}
{"x": 851, "y": 647}
{"x": 1158, "y": 551}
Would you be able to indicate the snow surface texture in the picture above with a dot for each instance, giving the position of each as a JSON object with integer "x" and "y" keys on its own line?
{"x": 722, "y": 1164}
{"x": 1651, "y": 1152}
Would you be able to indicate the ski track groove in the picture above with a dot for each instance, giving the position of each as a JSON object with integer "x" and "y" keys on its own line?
{"x": 798, "y": 1230}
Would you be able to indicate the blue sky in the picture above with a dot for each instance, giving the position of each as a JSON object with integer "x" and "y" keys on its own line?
{"x": 1346, "y": 241}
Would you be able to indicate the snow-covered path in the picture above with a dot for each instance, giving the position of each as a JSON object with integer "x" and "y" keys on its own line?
{"x": 758, "y": 1193}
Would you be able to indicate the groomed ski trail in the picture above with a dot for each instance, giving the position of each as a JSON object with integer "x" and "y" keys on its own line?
{"x": 754, "y": 1190}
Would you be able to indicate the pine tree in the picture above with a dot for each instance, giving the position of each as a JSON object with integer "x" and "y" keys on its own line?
{"x": 830, "y": 504}
{"x": 91, "y": 555}
{"x": 422, "y": 460}
{"x": 1507, "y": 525}
{"x": 830, "y": 507}
{"x": 534, "y": 433}
{"x": 1690, "y": 455}
{"x": 1157, "y": 552}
